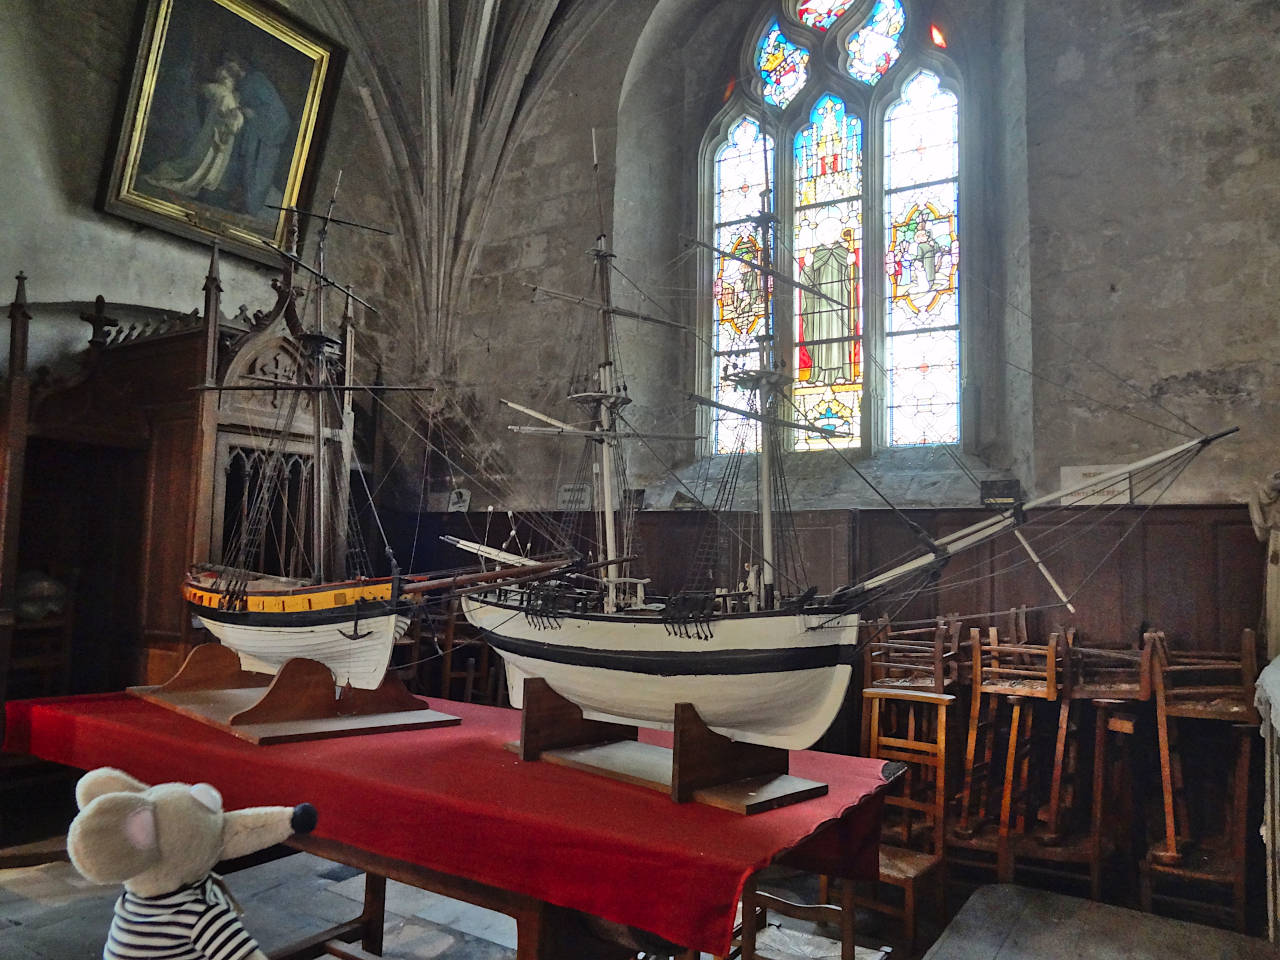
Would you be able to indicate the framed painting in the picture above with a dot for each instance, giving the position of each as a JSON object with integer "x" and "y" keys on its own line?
{"x": 223, "y": 122}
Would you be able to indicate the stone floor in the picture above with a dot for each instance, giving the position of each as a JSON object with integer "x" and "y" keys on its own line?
{"x": 49, "y": 912}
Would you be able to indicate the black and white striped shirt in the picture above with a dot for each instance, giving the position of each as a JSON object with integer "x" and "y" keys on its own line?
{"x": 194, "y": 923}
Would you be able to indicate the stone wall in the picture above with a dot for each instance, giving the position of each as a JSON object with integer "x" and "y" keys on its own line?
{"x": 1153, "y": 153}
{"x": 67, "y": 63}
{"x": 1125, "y": 236}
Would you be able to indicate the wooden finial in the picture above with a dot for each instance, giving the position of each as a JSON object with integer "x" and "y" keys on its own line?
{"x": 20, "y": 297}
{"x": 213, "y": 279}
{"x": 19, "y": 328}
{"x": 212, "y": 316}
{"x": 100, "y": 321}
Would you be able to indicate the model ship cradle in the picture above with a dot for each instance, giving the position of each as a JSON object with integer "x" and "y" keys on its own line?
{"x": 300, "y": 702}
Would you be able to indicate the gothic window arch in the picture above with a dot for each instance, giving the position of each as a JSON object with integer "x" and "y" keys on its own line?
{"x": 834, "y": 170}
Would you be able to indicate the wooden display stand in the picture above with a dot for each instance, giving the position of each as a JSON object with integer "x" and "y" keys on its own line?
{"x": 298, "y": 703}
{"x": 702, "y": 766}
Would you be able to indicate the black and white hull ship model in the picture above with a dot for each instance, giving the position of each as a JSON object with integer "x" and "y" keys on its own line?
{"x": 760, "y": 665}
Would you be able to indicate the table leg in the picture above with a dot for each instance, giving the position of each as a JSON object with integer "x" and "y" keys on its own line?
{"x": 375, "y": 909}
{"x": 531, "y": 932}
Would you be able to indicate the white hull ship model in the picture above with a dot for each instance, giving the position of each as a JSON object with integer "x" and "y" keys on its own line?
{"x": 349, "y": 623}
{"x": 759, "y": 667}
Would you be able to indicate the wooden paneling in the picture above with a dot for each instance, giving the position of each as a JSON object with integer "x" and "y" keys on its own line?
{"x": 1194, "y": 572}
{"x": 171, "y": 464}
{"x": 826, "y": 539}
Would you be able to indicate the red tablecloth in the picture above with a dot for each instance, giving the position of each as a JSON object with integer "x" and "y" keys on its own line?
{"x": 452, "y": 799}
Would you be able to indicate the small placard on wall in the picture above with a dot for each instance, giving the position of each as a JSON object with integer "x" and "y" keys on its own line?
{"x": 1117, "y": 491}
{"x": 459, "y": 500}
{"x": 573, "y": 496}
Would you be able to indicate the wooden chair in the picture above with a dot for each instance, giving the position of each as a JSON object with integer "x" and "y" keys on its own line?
{"x": 918, "y": 835}
{"x": 1010, "y": 671}
{"x": 1093, "y": 676}
{"x": 1194, "y": 685}
{"x": 837, "y": 913}
{"x": 756, "y": 905}
{"x": 1198, "y": 686}
{"x": 478, "y": 673}
{"x": 924, "y": 658}
{"x": 1213, "y": 864}
{"x": 919, "y": 658}
{"x": 1075, "y": 850}
{"x": 1109, "y": 674}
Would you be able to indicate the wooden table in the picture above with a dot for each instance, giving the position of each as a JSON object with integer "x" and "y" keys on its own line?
{"x": 452, "y": 811}
{"x": 1007, "y": 922}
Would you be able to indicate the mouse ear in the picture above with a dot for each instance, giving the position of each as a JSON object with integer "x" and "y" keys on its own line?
{"x": 114, "y": 838}
{"x": 105, "y": 780}
{"x": 140, "y": 828}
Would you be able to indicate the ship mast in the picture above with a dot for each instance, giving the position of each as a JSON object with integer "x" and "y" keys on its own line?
{"x": 609, "y": 401}
{"x": 316, "y": 344}
{"x": 611, "y": 395}
{"x": 764, "y": 391}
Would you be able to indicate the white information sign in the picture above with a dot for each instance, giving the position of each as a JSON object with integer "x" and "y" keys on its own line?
{"x": 1117, "y": 491}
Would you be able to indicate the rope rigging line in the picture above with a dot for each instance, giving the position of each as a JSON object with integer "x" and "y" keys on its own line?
{"x": 736, "y": 537}
{"x": 1072, "y": 517}
{"x": 1173, "y": 467}
{"x": 1093, "y": 361}
{"x": 368, "y": 494}
{"x": 537, "y": 519}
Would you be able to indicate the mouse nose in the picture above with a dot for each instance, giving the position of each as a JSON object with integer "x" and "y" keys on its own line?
{"x": 303, "y": 819}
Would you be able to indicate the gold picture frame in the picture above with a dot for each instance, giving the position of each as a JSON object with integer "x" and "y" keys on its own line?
{"x": 223, "y": 122}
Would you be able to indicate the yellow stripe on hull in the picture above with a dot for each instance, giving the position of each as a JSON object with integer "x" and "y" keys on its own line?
{"x": 294, "y": 602}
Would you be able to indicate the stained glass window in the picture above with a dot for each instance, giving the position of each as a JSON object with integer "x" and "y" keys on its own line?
{"x": 846, "y": 334}
{"x": 828, "y": 269}
{"x": 821, "y": 14}
{"x": 783, "y": 65}
{"x": 922, "y": 244}
{"x": 874, "y": 48}
{"x": 742, "y": 293}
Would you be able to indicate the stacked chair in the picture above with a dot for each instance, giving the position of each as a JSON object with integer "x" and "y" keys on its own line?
{"x": 910, "y": 726}
{"x": 1046, "y": 754}
{"x": 1010, "y": 674}
{"x": 1075, "y": 831}
{"x": 1047, "y": 782}
{"x": 1197, "y": 865}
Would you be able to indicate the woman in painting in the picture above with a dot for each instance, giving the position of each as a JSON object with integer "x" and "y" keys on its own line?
{"x": 267, "y": 127}
{"x": 205, "y": 166}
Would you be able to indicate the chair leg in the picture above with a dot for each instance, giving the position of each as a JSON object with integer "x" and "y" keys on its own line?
{"x": 1024, "y": 767}
{"x": 749, "y": 919}
{"x": 1144, "y": 888}
{"x": 1059, "y": 764}
{"x": 1004, "y": 858}
{"x": 848, "y": 917}
{"x": 909, "y": 914}
{"x": 1169, "y": 778}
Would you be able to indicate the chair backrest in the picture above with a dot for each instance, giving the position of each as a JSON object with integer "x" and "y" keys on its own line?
{"x": 1101, "y": 673}
{"x": 922, "y": 658}
{"x": 1016, "y": 666}
{"x": 910, "y": 726}
{"x": 1210, "y": 683}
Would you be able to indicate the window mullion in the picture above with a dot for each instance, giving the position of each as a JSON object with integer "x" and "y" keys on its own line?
{"x": 873, "y": 228}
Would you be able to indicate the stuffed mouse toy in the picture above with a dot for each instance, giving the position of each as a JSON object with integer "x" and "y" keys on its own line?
{"x": 162, "y": 843}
